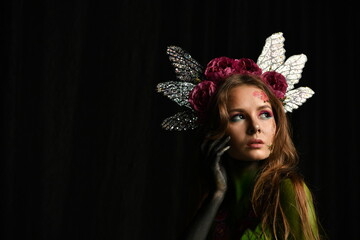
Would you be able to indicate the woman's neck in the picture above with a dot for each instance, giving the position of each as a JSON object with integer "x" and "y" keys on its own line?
{"x": 241, "y": 175}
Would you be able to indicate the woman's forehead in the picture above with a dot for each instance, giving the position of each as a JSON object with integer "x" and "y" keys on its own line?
{"x": 247, "y": 95}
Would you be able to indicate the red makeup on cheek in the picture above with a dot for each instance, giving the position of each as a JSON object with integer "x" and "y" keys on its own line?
{"x": 261, "y": 95}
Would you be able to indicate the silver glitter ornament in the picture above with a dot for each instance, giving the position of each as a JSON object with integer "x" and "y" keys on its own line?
{"x": 189, "y": 73}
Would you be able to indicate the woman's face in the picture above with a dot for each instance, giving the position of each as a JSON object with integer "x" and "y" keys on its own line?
{"x": 251, "y": 123}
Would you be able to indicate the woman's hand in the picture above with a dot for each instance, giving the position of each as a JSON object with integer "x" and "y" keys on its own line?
{"x": 212, "y": 151}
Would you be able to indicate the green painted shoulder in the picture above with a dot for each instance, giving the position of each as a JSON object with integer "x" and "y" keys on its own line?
{"x": 290, "y": 205}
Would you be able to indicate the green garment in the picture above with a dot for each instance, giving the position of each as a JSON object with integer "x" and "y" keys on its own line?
{"x": 237, "y": 206}
{"x": 287, "y": 199}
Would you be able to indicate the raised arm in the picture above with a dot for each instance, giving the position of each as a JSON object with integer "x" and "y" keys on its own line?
{"x": 201, "y": 224}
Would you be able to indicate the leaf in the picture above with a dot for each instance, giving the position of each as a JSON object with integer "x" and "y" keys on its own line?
{"x": 176, "y": 91}
{"x": 292, "y": 69}
{"x": 181, "y": 121}
{"x": 296, "y": 97}
{"x": 186, "y": 68}
{"x": 273, "y": 53}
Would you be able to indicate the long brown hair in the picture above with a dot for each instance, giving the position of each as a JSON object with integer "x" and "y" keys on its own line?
{"x": 281, "y": 164}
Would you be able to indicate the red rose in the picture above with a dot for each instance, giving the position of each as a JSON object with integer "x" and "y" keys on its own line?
{"x": 219, "y": 68}
{"x": 200, "y": 97}
{"x": 246, "y": 66}
{"x": 276, "y": 82}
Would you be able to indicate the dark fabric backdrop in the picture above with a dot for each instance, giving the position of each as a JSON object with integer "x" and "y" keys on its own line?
{"x": 84, "y": 156}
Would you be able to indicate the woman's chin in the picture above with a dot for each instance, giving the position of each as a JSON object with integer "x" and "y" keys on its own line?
{"x": 250, "y": 155}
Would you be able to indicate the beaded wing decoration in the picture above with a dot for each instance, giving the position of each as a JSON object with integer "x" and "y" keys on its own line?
{"x": 272, "y": 58}
{"x": 188, "y": 72}
{"x": 190, "y": 75}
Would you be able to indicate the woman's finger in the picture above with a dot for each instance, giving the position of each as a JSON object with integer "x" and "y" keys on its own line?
{"x": 222, "y": 143}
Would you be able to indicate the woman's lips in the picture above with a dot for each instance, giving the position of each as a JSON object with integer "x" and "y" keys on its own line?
{"x": 255, "y": 143}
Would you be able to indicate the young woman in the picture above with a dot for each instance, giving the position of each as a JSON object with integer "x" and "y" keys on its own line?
{"x": 254, "y": 189}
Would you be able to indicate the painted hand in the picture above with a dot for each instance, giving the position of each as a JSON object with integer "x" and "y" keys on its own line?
{"x": 212, "y": 151}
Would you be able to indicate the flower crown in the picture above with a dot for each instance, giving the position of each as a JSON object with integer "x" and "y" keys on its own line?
{"x": 195, "y": 87}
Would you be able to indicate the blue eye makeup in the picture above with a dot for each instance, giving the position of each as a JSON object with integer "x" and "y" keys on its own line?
{"x": 241, "y": 116}
{"x": 265, "y": 114}
{"x": 237, "y": 117}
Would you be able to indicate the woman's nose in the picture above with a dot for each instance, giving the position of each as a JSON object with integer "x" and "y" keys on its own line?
{"x": 254, "y": 128}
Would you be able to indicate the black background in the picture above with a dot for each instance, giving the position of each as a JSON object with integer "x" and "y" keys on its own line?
{"x": 84, "y": 156}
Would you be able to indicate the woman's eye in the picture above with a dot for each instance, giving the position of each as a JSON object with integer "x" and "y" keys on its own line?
{"x": 265, "y": 115}
{"x": 237, "y": 117}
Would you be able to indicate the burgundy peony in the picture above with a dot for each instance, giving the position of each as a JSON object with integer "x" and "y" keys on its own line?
{"x": 246, "y": 66}
{"x": 276, "y": 82}
{"x": 219, "y": 68}
{"x": 200, "y": 97}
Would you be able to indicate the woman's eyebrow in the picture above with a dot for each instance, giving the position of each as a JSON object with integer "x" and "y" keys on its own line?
{"x": 237, "y": 110}
{"x": 265, "y": 106}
